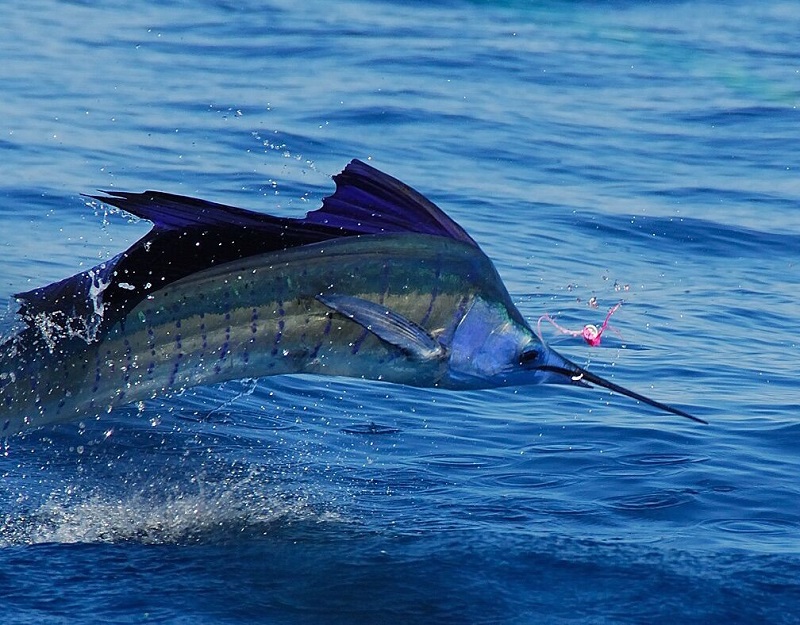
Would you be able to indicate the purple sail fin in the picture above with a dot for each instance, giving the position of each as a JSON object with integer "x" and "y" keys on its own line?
{"x": 372, "y": 202}
{"x": 190, "y": 235}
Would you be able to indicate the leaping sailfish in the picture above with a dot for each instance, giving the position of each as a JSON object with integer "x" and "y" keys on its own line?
{"x": 379, "y": 283}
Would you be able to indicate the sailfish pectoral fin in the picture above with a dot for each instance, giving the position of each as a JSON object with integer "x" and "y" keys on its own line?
{"x": 387, "y": 325}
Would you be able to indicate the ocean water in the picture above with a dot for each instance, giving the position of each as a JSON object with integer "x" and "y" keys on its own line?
{"x": 643, "y": 152}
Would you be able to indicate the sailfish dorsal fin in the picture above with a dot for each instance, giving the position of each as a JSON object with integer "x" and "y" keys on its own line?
{"x": 366, "y": 201}
{"x": 191, "y": 234}
{"x": 370, "y": 201}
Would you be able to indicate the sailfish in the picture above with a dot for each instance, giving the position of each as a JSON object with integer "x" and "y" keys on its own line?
{"x": 379, "y": 283}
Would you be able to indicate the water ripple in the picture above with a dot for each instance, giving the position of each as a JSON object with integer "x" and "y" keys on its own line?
{"x": 569, "y": 448}
{"x": 655, "y": 500}
{"x": 753, "y": 526}
{"x": 526, "y": 481}
{"x": 612, "y": 471}
{"x": 660, "y": 459}
{"x": 452, "y": 461}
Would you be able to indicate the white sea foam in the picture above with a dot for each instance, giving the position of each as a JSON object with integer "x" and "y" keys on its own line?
{"x": 216, "y": 512}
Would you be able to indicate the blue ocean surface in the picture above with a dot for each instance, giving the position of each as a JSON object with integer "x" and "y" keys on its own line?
{"x": 598, "y": 151}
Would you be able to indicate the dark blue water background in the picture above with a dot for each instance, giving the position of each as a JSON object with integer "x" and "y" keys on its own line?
{"x": 645, "y": 152}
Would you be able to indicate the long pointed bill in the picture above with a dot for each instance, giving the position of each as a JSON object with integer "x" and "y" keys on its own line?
{"x": 579, "y": 375}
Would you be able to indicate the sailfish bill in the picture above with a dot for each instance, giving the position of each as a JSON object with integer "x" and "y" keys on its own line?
{"x": 379, "y": 283}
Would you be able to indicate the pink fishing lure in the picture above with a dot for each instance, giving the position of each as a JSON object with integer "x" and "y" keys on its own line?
{"x": 590, "y": 332}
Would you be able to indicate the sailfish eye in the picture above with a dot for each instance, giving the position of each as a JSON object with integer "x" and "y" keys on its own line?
{"x": 528, "y": 356}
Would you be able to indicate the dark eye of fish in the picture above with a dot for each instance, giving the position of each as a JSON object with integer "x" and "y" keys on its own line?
{"x": 528, "y": 357}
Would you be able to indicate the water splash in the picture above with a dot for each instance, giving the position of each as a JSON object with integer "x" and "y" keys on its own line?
{"x": 216, "y": 512}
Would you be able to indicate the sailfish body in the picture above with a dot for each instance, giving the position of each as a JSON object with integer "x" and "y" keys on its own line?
{"x": 378, "y": 283}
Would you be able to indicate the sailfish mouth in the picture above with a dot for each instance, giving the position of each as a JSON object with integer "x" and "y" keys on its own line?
{"x": 580, "y": 376}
